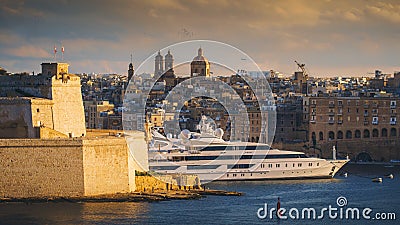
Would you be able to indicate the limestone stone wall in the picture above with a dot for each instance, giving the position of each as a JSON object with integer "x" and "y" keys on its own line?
{"x": 41, "y": 168}
{"x": 159, "y": 182}
{"x": 68, "y": 109}
{"x": 19, "y": 116}
{"x": 65, "y": 167}
{"x": 106, "y": 166}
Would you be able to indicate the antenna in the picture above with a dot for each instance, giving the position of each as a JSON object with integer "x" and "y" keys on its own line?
{"x": 131, "y": 58}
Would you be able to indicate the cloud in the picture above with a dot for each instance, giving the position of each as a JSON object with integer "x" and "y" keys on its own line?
{"x": 385, "y": 10}
{"x": 328, "y": 33}
{"x": 28, "y": 51}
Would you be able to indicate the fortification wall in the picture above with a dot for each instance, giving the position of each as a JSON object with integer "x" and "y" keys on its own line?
{"x": 19, "y": 116}
{"x": 107, "y": 166}
{"x": 41, "y": 168}
{"x": 71, "y": 167}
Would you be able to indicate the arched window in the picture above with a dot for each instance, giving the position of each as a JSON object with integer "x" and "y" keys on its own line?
{"x": 257, "y": 139}
{"x": 375, "y": 133}
{"x": 384, "y": 132}
{"x": 357, "y": 134}
{"x": 321, "y": 136}
{"x": 252, "y": 139}
{"x": 349, "y": 135}
{"x": 313, "y": 137}
{"x": 339, "y": 134}
{"x": 393, "y": 132}
{"x": 366, "y": 133}
{"x": 331, "y": 135}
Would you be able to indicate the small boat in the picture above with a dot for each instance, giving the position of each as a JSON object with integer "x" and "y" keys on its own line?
{"x": 390, "y": 176}
{"x": 377, "y": 180}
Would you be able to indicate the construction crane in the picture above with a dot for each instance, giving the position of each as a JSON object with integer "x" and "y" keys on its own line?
{"x": 303, "y": 68}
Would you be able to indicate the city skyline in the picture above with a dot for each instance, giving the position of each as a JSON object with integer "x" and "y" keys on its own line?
{"x": 333, "y": 38}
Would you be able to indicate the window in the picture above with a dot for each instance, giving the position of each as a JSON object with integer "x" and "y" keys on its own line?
{"x": 299, "y": 164}
{"x": 331, "y": 135}
{"x": 37, "y": 110}
{"x": 278, "y": 165}
{"x": 375, "y": 133}
{"x": 375, "y": 120}
{"x": 340, "y": 135}
{"x": 384, "y": 132}
{"x": 349, "y": 135}
{"x": 393, "y": 120}
{"x": 366, "y": 133}
{"x": 269, "y": 165}
{"x": 393, "y": 132}
{"x": 392, "y": 104}
{"x": 357, "y": 134}
{"x": 309, "y": 164}
{"x": 321, "y": 136}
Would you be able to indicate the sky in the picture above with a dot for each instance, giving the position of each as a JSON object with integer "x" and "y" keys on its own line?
{"x": 332, "y": 37}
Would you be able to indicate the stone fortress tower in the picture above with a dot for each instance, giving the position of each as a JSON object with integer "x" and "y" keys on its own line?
{"x": 39, "y": 106}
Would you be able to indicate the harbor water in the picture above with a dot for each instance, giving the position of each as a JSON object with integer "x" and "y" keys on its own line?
{"x": 354, "y": 191}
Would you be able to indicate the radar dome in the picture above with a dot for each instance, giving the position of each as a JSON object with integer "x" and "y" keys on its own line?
{"x": 219, "y": 133}
{"x": 169, "y": 136}
{"x": 185, "y": 134}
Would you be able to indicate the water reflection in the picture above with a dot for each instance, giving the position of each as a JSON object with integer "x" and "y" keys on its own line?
{"x": 73, "y": 213}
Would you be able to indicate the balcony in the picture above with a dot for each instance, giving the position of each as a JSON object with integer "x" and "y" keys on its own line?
{"x": 366, "y": 122}
{"x": 366, "y": 106}
{"x": 375, "y": 122}
{"x": 374, "y": 105}
{"x": 392, "y": 122}
{"x": 331, "y": 113}
{"x": 331, "y": 105}
{"x": 331, "y": 121}
{"x": 340, "y": 121}
{"x": 392, "y": 106}
{"x": 365, "y": 114}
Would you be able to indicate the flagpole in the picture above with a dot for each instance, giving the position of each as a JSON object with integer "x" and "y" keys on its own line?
{"x": 55, "y": 52}
{"x": 62, "y": 53}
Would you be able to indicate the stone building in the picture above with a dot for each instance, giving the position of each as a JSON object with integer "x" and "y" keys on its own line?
{"x": 45, "y": 149}
{"x": 96, "y": 114}
{"x": 365, "y": 128}
{"x": 50, "y": 100}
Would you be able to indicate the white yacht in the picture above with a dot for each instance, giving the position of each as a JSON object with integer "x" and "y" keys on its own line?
{"x": 212, "y": 158}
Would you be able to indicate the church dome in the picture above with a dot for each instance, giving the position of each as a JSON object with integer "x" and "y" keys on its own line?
{"x": 200, "y": 56}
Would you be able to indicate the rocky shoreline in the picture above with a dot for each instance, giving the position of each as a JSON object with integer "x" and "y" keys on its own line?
{"x": 130, "y": 197}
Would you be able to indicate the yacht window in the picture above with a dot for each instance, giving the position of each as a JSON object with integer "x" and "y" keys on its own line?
{"x": 299, "y": 164}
